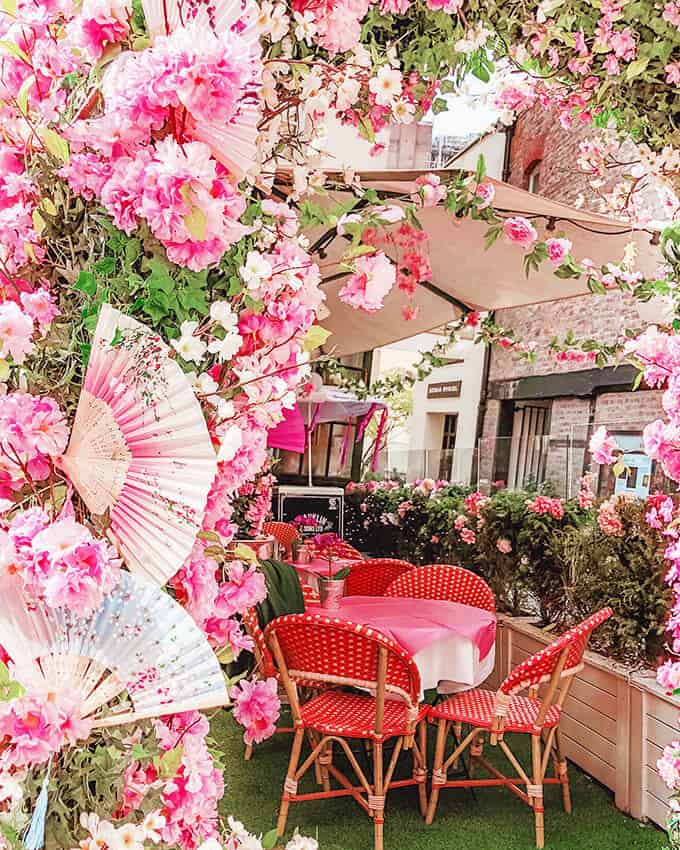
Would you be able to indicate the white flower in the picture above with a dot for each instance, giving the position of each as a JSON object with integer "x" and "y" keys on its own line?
{"x": 302, "y": 842}
{"x": 211, "y": 844}
{"x": 403, "y": 111}
{"x": 221, "y": 312}
{"x": 225, "y": 348}
{"x": 231, "y": 440}
{"x": 386, "y": 85}
{"x": 152, "y": 824}
{"x": 272, "y": 20}
{"x": 391, "y": 213}
{"x": 203, "y": 384}
{"x": 188, "y": 346}
{"x": 305, "y": 29}
{"x": 128, "y": 837}
{"x": 256, "y": 269}
{"x": 225, "y": 409}
{"x": 347, "y": 93}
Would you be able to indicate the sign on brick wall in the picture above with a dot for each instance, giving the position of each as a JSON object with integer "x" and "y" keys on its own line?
{"x": 444, "y": 389}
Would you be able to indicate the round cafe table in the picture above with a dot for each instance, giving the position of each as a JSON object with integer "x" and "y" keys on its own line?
{"x": 453, "y": 645}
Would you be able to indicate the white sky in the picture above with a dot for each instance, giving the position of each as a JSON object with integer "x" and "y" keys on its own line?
{"x": 470, "y": 111}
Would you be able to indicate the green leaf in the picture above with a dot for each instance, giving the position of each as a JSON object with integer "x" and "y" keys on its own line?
{"x": 270, "y": 840}
{"x": 619, "y": 468}
{"x": 139, "y": 752}
{"x": 244, "y": 553}
{"x": 9, "y": 7}
{"x": 315, "y": 337}
{"x": 117, "y": 338}
{"x": 439, "y": 105}
{"x": 55, "y": 144}
{"x": 170, "y": 762}
{"x": 105, "y": 266}
{"x": 225, "y": 655}
{"x": 196, "y": 223}
{"x": 87, "y": 283}
{"x": 636, "y": 68}
{"x": 15, "y": 50}
{"x": 22, "y": 94}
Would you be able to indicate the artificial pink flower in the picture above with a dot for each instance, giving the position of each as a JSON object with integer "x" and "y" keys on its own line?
{"x": 372, "y": 280}
{"x": 256, "y": 707}
{"x": 16, "y": 332}
{"x": 558, "y": 250}
{"x": 603, "y": 446}
{"x": 520, "y": 231}
{"x": 486, "y": 193}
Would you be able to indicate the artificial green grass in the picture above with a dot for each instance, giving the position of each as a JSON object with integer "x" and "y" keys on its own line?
{"x": 497, "y": 821}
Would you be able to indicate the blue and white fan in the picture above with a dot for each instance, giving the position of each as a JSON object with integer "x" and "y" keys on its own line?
{"x": 140, "y": 655}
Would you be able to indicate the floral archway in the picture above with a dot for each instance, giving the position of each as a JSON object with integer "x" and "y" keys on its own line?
{"x": 140, "y": 147}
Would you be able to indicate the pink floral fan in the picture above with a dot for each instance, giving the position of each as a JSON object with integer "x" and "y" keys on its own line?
{"x": 232, "y": 141}
{"x": 138, "y": 655}
{"x": 140, "y": 448}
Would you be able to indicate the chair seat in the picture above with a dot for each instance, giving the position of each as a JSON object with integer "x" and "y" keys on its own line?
{"x": 353, "y": 715}
{"x": 477, "y": 708}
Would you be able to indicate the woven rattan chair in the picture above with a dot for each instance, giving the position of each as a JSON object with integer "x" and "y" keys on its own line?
{"x": 444, "y": 581}
{"x": 373, "y": 576}
{"x": 484, "y": 712}
{"x": 343, "y": 654}
{"x": 284, "y": 533}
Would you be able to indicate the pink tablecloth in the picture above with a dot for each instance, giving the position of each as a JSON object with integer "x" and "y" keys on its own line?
{"x": 453, "y": 645}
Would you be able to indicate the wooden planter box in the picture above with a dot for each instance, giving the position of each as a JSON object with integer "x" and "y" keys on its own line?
{"x": 615, "y": 722}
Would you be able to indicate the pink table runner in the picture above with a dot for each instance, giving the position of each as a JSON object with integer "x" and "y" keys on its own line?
{"x": 415, "y": 624}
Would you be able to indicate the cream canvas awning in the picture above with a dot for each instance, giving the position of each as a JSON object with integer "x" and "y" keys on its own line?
{"x": 465, "y": 275}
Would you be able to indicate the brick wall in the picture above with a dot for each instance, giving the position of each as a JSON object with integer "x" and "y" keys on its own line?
{"x": 538, "y": 136}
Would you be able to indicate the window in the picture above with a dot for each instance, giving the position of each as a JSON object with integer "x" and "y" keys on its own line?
{"x": 528, "y": 445}
{"x": 533, "y": 176}
{"x": 448, "y": 446}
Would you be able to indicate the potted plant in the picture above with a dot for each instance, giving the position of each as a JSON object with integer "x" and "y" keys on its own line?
{"x": 331, "y": 585}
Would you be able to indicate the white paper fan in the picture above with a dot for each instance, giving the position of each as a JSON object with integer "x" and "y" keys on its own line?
{"x": 140, "y": 646}
{"x": 140, "y": 447}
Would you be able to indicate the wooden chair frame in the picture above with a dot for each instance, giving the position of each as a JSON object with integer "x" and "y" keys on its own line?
{"x": 545, "y": 747}
{"x": 369, "y": 793}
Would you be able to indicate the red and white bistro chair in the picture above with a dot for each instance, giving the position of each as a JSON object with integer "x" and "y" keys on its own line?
{"x": 284, "y": 533}
{"x": 340, "y": 549}
{"x": 444, "y": 581}
{"x": 373, "y": 576}
{"x": 343, "y": 654}
{"x": 484, "y": 712}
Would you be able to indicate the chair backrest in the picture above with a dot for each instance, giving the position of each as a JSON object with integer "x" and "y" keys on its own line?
{"x": 284, "y": 533}
{"x": 373, "y": 576}
{"x": 444, "y": 581}
{"x": 564, "y": 657}
{"x": 319, "y": 648}
{"x": 263, "y": 657}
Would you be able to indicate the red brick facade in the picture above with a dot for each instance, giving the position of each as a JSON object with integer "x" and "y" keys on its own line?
{"x": 539, "y": 139}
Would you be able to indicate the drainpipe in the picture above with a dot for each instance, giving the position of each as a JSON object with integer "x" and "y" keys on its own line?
{"x": 509, "y": 135}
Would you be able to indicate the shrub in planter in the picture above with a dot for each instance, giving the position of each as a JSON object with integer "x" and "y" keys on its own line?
{"x": 618, "y": 561}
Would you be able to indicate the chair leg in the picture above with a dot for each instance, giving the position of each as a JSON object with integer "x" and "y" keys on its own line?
{"x": 248, "y": 753}
{"x": 536, "y": 791}
{"x": 563, "y": 773}
{"x": 377, "y": 804}
{"x": 290, "y": 782}
{"x": 440, "y": 748}
{"x": 420, "y": 769}
{"x": 325, "y": 759}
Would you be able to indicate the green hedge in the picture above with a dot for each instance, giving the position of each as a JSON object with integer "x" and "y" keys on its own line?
{"x": 542, "y": 556}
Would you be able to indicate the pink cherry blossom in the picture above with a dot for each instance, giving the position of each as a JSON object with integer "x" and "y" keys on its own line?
{"x": 16, "y": 332}
{"x": 520, "y": 231}
{"x": 603, "y": 446}
{"x": 373, "y": 278}
{"x": 256, "y": 707}
{"x": 558, "y": 250}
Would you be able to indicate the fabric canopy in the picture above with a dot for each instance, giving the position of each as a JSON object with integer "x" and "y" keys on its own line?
{"x": 465, "y": 275}
{"x": 325, "y": 404}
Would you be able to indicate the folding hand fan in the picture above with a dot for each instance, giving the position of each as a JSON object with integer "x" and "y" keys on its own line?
{"x": 140, "y": 649}
{"x": 140, "y": 447}
{"x": 232, "y": 143}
